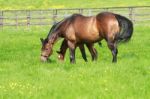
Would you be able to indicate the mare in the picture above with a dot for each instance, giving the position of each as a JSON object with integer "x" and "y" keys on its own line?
{"x": 64, "y": 47}
{"x": 78, "y": 29}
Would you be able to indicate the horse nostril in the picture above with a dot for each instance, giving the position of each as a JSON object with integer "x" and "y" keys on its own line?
{"x": 43, "y": 59}
{"x": 43, "y": 55}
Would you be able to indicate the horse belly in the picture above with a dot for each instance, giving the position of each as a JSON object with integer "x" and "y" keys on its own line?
{"x": 89, "y": 37}
{"x": 89, "y": 33}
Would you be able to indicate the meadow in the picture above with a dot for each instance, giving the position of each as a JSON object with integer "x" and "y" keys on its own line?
{"x": 24, "y": 76}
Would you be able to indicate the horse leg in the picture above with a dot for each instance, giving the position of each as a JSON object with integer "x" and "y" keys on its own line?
{"x": 82, "y": 49}
{"x": 63, "y": 49}
{"x": 92, "y": 51}
{"x": 72, "y": 47}
{"x": 113, "y": 47}
{"x": 95, "y": 53}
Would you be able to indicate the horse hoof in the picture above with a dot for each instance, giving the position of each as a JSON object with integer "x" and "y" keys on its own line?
{"x": 60, "y": 57}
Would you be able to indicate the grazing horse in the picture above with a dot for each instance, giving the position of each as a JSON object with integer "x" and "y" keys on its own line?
{"x": 79, "y": 29}
{"x": 64, "y": 47}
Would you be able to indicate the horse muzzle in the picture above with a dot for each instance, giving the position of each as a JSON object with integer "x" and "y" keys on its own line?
{"x": 44, "y": 59}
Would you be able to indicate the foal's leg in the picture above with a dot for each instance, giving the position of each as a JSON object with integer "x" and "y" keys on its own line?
{"x": 82, "y": 49}
{"x": 113, "y": 47}
{"x": 63, "y": 49}
{"x": 92, "y": 51}
{"x": 72, "y": 47}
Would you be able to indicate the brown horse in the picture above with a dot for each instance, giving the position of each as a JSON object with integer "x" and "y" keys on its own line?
{"x": 79, "y": 29}
{"x": 64, "y": 47}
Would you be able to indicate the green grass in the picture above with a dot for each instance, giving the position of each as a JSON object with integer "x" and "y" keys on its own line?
{"x": 22, "y": 75}
{"x": 46, "y": 4}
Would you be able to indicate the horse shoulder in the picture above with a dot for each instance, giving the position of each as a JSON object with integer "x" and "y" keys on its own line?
{"x": 70, "y": 33}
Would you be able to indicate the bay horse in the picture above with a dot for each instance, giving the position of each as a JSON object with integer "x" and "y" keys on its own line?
{"x": 92, "y": 50}
{"x": 64, "y": 47}
{"x": 79, "y": 29}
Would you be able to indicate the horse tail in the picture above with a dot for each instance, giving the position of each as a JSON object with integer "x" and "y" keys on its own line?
{"x": 126, "y": 28}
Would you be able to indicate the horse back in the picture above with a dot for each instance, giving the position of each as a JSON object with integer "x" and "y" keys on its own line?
{"x": 85, "y": 28}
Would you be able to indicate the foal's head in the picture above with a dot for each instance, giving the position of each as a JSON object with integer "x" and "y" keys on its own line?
{"x": 46, "y": 49}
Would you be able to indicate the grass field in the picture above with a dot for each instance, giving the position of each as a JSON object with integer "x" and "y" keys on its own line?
{"x": 47, "y": 4}
{"x": 23, "y": 76}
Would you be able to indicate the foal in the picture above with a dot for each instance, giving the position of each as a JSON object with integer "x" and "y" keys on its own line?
{"x": 90, "y": 47}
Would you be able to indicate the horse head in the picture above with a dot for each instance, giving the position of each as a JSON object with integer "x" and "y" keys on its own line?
{"x": 46, "y": 49}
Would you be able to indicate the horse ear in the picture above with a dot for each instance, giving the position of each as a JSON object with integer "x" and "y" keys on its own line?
{"x": 42, "y": 40}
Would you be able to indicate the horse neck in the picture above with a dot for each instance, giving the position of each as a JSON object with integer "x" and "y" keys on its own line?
{"x": 53, "y": 38}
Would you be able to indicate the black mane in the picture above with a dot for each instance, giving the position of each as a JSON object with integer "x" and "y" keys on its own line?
{"x": 52, "y": 29}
